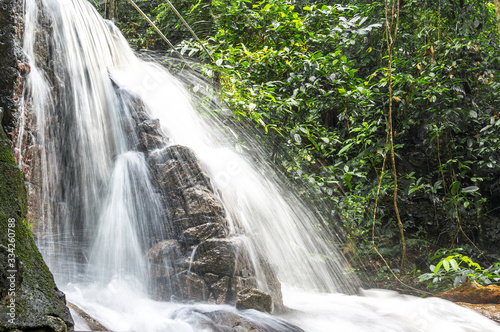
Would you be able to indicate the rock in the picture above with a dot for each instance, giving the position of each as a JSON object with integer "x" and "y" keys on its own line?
{"x": 491, "y": 311}
{"x": 201, "y": 201}
{"x": 226, "y": 321}
{"x": 176, "y": 168}
{"x": 197, "y": 234}
{"x": 273, "y": 286}
{"x": 211, "y": 278}
{"x": 24, "y": 68}
{"x": 190, "y": 286}
{"x": 91, "y": 322}
{"x": 162, "y": 258}
{"x": 215, "y": 256}
{"x": 150, "y": 141}
{"x": 197, "y": 219}
{"x": 251, "y": 298}
{"x": 220, "y": 290}
{"x": 239, "y": 283}
{"x": 472, "y": 292}
{"x": 165, "y": 250}
{"x": 150, "y": 126}
{"x": 31, "y": 289}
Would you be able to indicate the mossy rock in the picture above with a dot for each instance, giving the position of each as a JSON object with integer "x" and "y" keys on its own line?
{"x": 30, "y": 291}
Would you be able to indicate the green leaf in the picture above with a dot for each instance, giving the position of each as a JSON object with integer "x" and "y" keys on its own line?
{"x": 454, "y": 264}
{"x": 454, "y": 187}
{"x": 314, "y": 143}
{"x": 470, "y": 189}
{"x": 307, "y": 8}
{"x": 345, "y": 148}
{"x": 446, "y": 265}
{"x": 438, "y": 266}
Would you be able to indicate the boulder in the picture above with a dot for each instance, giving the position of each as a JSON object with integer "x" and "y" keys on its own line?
{"x": 472, "y": 292}
{"x": 190, "y": 286}
{"x": 252, "y": 298}
{"x": 220, "y": 256}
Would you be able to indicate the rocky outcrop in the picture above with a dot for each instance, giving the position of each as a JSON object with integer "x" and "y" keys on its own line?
{"x": 472, "y": 292}
{"x": 482, "y": 299}
{"x": 197, "y": 258}
{"x": 29, "y": 298}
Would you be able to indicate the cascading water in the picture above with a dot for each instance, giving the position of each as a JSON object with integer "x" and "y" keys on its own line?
{"x": 98, "y": 211}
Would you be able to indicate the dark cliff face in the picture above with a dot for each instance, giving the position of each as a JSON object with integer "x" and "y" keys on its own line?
{"x": 29, "y": 298}
{"x": 11, "y": 60}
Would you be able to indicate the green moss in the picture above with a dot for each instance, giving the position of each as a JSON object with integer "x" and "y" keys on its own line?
{"x": 36, "y": 297}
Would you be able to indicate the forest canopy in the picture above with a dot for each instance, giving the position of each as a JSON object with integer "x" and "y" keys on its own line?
{"x": 387, "y": 109}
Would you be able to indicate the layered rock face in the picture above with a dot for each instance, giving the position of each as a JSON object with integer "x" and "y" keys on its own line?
{"x": 29, "y": 298}
{"x": 196, "y": 257}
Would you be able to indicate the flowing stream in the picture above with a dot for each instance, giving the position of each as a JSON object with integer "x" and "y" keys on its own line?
{"x": 98, "y": 209}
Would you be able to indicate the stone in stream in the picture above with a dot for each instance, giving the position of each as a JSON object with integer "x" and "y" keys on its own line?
{"x": 251, "y": 298}
{"x": 225, "y": 321}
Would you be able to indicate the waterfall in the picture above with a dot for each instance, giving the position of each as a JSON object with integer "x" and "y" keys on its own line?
{"x": 98, "y": 211}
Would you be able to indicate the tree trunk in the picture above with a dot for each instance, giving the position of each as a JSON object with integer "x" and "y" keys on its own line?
{"x": 497, "y": 10}
{"x": 110, "y": 9}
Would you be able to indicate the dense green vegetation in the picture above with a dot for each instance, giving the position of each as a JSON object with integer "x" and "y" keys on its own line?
{"x": 335, "y": 83}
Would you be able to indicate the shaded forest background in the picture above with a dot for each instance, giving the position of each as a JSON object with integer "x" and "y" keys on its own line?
{"x": 314, "y": 78}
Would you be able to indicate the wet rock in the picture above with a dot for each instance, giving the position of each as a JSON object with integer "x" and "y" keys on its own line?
{"x": 150, "y": 126}
{"x": 150, "y": 141}
{"x": 165, "y": 250}
{"x": 91, "y": 322}
{"x": 197, "y": 218}
{"x": 201, "y": 201}
{"x": 176, "y": 168}
{"x": 190, "y": 286}
{"x": 24, "y": 68}
{"x": 251, "y": 298}
{"x": 174, "y": 206}
{"x": 211, "y": 278}
{"x": 273, "y": 286}
{"x": 197, "y": 234}
{"x": 174, "y": 175}
{"x": 472, "y": 292}
{"x": 220, "y": 290}
{"x": 239, "y": 283}
{"x": 226, "y": 321}
{"x": 215, "y": 256}
{"x": 162, "y": 258}
{"x": 39, "y": 305}
{"x": 491, "y": 311}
